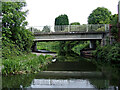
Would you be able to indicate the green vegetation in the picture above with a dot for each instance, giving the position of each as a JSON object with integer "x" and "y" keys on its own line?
{"x": 75, "y": 23}
{"x": 108, "y": 53}
{"x": 100, "y": 15}
{"x": 62, "y": 20}
{"x": 46, "y": 29}
{"x": 80, "y": 46}
{"x": 55, "y": 47}
{"x": 107, "y": 58}
{"x": 27, "y": 63}
{"x": 114, "y": 29}
{"x": 50, "y": 46}
{"x": 15, "y": 37}
{"x": 15, "y": 81}
{"x": 17, "y": 42}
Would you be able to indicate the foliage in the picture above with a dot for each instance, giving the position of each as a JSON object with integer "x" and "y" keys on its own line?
{"x": 50, "y": 46}
{"x": 100, "y": 15}
{"x": 75, "y": 23}
{"x": 114, "y": 30}
{"x": 46, "y": 29}
{"x": 22, "y": 80}
{"x": 62, "y": 48}
{"x": 75, "y": 28}
{"x": 108, "y": 53}
{"x": 80, "y": 46}
{"x": 101, "y": 29}
{"x": 26, "y": 63}
{"x": 62, "y": 20}
{"x": 102, "y": 84}
{"x": 15, "y": 36}
{"x": 35, "y": 30}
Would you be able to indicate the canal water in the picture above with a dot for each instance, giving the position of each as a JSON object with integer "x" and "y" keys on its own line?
{"x": 64, "y": 72}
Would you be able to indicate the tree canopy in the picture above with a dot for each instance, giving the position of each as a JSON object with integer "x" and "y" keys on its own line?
{"x": 46, "y": 29}
{"x": 62, "y": 20}
{"x": 114, "y": 29}
{"x": 100, "y": 15}
{"x": 15, "y": 36}
{"x": 75, "y": 23}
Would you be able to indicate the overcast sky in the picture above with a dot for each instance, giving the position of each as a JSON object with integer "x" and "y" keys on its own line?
{"x": 44, "y": 12}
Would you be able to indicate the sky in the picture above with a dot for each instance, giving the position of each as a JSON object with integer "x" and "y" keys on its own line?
{"x": 44, "y": 12}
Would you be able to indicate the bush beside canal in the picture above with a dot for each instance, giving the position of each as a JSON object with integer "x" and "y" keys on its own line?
{"x": 27, "y": 63}
{"x": 108, "y": 54}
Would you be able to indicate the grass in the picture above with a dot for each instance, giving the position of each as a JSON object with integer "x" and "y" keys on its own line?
{"x": 27, "y": 63}
{"x": 50, "y": 46}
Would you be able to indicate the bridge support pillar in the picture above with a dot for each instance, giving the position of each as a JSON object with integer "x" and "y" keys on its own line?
{"x": 92, "y": 44}
{"x": 34, "y": 46}
{"x": 103, "y": 42}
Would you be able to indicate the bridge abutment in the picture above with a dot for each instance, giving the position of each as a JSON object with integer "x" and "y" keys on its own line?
{"x": 34, "y": 46}
{"x": 92, "y": 44}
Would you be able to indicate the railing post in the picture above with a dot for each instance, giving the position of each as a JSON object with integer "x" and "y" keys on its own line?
{"x": 68, "y": 28}
{"x": 87, "y": 28}
{"x": 119, "y": 21}
{"x": 31, "y": 29}
{"x": 105, "y": 28}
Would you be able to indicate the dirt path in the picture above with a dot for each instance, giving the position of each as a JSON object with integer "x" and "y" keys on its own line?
{"x": 44, "y": 54}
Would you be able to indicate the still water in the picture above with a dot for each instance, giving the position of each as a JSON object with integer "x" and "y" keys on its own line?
{"x": 71, "y": 72}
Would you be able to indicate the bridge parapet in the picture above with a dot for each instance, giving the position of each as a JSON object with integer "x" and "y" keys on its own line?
{"x": 70, "y": 28}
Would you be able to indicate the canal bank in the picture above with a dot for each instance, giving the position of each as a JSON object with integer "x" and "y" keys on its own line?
{"x": 64, "y": 73}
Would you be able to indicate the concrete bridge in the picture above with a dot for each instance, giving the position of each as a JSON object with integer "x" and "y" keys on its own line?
{"x": 90, "y": 33}
{"x": 69, "y": 36}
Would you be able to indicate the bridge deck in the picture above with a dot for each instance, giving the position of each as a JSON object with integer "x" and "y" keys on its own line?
{"x": 68, "y": 33}
{"x": 68, "y": 36}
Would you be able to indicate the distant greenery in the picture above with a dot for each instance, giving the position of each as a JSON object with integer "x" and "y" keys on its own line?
{"x": 75, "y": 47}
{"x": 80, "y": 46}
{"x": 62, "y": 20}
{"x": 26, "y": 63}
{"x": 75, "y": 23}
{"x": 100, "y": 15}
{"x": 46, "y": 29}
{"x": 50, "y": 46}
{"x": 101, "y": 29}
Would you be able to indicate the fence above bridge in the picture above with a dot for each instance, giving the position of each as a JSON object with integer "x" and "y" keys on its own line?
{"x": 70, "y": 28}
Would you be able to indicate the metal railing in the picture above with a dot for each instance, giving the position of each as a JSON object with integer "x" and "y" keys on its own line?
{"x": 70, "y": 28}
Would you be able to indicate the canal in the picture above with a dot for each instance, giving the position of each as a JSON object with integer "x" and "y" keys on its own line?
{"x": 64, "y": 72}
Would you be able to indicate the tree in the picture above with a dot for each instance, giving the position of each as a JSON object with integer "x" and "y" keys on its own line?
{"x": 62, "y": 20}
{"x": 46, "y": 29}
{"x": 100, "y": 15}
{"x": 65, "y": 47}
{"x": 114, "y": 29}
{"x": 75, "y": 23}
{"x": 15, "y": 36}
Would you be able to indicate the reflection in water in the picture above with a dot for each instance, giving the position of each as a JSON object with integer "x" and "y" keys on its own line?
{"x": 64, "y": 80}
{"x": 61, "y": 83}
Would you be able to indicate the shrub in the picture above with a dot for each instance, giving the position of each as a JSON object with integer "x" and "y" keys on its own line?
{"x": 108, "y": 53}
